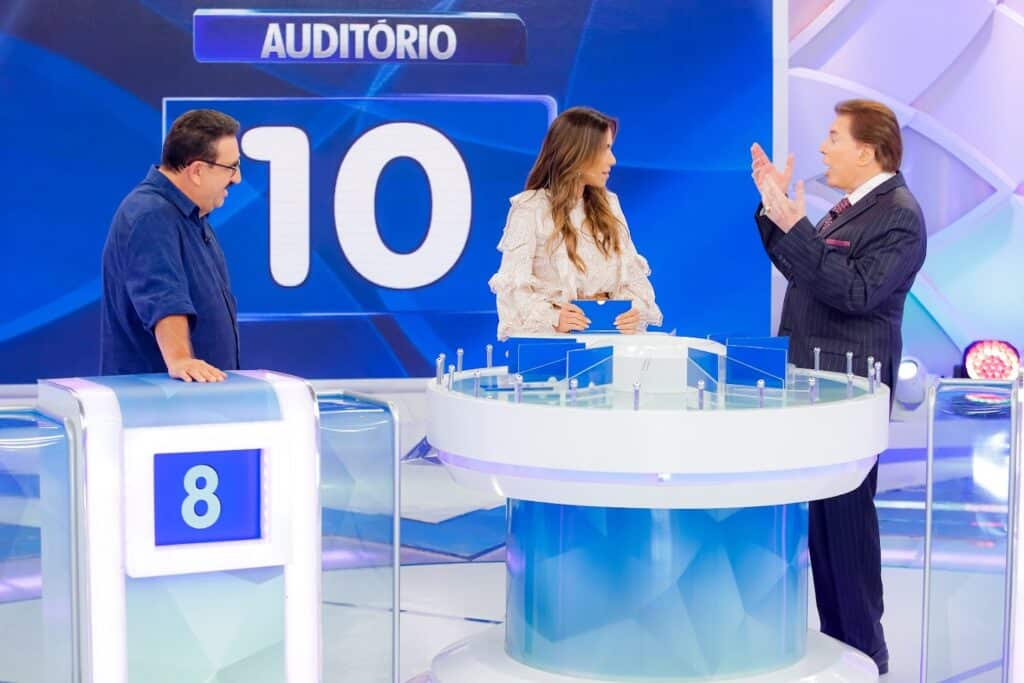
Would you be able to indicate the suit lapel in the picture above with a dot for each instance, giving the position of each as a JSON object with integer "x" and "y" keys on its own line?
{"x": 851, "y": 213}
{"x": 864, "y": 204}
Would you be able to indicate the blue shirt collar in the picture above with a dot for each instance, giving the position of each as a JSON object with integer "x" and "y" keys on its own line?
{"x": 163, "y": 185}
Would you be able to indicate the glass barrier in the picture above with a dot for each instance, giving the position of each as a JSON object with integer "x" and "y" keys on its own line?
{"x": 1012, "y": 615}
{"x": 359, "y": 493}
{"x": 35, "y": 549}
{"x": 803, "y": 387}
{"x": 966, "y": 488}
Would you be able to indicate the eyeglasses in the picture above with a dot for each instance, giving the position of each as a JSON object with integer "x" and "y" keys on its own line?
{"x": 234, "y": 168}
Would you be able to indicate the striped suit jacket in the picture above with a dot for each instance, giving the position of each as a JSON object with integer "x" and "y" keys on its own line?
{"x": 848, "y": 284}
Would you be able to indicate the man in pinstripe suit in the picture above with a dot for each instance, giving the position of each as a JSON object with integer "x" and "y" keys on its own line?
{"x": 848, "y": 281}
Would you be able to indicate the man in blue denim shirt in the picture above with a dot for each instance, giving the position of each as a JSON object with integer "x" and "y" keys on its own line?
{"x": 167, "y": 304}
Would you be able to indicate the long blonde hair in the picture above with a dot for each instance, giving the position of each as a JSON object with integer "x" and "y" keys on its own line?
{"x": 572, "y": 142}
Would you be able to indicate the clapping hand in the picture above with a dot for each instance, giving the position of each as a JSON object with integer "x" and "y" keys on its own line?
{"x": 772, "y": 183}
{"x": 780, "y": 209}
{"x": 763, "y": 169}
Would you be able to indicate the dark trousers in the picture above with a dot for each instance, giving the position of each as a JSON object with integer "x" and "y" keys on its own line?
{"x": 846, "y": 560}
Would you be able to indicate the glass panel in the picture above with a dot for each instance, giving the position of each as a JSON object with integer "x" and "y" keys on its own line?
{"x": 357, "y": 489}
{"x": 35, "y": 549}
{"x": 1011, "y": 651}
{"x": 966, "y": 594}
{"x": 500, "y": 386}
{"x": 703, "y": 366}
{"x": 746, "y": 365}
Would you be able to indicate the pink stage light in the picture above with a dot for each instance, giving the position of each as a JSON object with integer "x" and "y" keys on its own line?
{"x": 991, "y": 359}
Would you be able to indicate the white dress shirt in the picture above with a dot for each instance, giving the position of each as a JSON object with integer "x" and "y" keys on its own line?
{"x": 868, "y": 185}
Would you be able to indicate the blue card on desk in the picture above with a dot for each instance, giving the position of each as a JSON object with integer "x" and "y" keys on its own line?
{"x": 603, "y": 312}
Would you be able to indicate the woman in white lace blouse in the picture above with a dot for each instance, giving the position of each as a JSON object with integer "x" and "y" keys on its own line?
{"x": 566, "y": 237}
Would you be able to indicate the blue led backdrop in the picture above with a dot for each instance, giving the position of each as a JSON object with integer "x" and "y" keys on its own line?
{"x": 375, "y": 190}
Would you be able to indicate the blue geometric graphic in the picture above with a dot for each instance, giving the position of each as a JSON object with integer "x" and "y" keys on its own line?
{"x": 637, "y": 593}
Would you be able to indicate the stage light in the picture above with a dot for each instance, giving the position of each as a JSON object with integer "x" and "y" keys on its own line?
{"x": 911, "y": 382}
{"x": 910, "y": 368}
{"x": 991, "y": 359}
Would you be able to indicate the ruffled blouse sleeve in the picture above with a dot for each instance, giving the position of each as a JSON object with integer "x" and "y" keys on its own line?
{"x": 524, "y": 305}
{"x": 634, "y": 275}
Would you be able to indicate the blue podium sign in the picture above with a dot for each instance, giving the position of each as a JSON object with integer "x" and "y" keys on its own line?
{"x": 205, "y": 497}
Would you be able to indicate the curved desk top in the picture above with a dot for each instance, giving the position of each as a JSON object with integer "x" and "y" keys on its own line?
{"x": 600, "y": 450}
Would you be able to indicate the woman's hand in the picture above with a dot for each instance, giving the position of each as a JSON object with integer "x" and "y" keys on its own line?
{"x": 571, "y": 319}
{"x": 628, "y": 322}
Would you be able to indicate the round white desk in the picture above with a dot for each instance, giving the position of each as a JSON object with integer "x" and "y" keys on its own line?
{"x": 656, "y": 535}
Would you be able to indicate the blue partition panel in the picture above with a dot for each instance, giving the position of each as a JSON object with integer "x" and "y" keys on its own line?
{"x": 593, "y": 366}
{"x": 540, "y": 362}
{"x": 637, "y": 594}
{"x": 749, "y": 359}
{"x": 703, "y": 365}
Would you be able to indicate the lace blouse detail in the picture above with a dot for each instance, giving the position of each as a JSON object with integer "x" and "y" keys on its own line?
{"x": 534, "y": 275}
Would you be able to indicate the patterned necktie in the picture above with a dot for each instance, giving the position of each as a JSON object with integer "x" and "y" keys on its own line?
{"x": 833, "y": 213}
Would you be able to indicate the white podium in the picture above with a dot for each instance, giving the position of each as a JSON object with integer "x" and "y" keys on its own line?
{"x": 656, "y": 535}
{"x": 195, "y": 527}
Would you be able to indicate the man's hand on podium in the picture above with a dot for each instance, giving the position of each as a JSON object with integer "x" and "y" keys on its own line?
{"x": 193, "y": 369}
